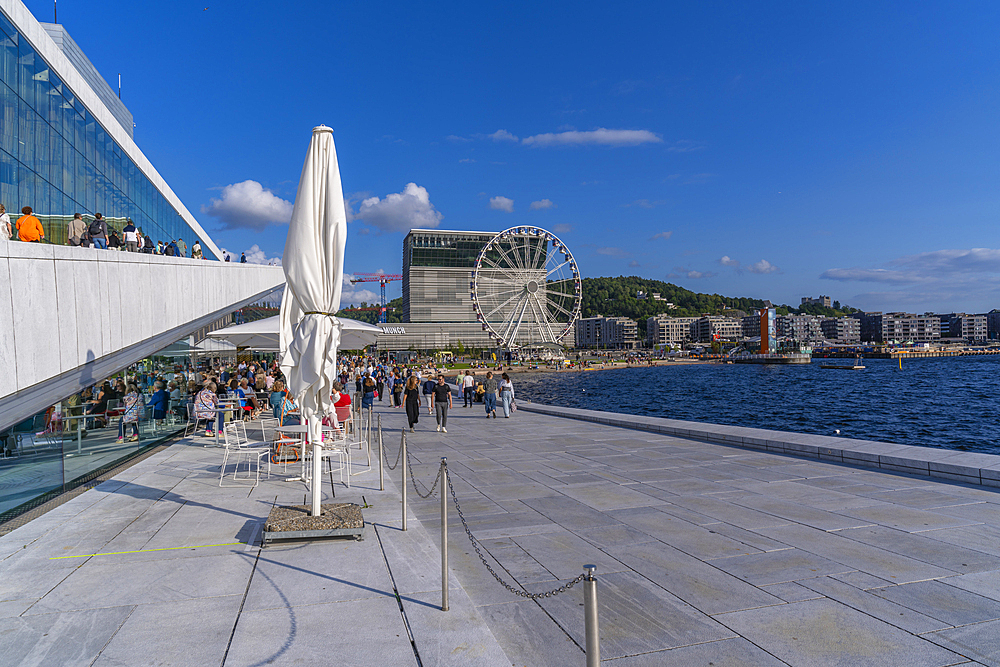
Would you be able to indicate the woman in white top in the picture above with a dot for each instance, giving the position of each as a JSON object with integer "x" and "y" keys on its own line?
{"x": 506, "y": 388}
{"x": 5, "y": 229}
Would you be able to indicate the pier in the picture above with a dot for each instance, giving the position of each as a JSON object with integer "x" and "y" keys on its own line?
{"x": 713, "y": 545}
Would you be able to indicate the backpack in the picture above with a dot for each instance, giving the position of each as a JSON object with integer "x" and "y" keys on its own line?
{"x": 95, "y": 228}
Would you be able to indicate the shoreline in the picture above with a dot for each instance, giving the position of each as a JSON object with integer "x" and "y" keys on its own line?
{"x": 452, "y": 372}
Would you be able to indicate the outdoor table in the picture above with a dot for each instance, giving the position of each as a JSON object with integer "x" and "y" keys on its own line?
{"x": 301, "y": 429}
{"x": 79, "y": 429}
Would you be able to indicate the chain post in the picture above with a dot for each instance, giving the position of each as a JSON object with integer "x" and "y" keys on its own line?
{"x": 381, "y": 471}
{"x": 444, "y": 534}
{"x": 590, "y": 616}
{"x": 402, "y": 449}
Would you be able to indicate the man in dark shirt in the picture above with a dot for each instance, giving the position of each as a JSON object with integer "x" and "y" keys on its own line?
{"x": 441, "y": 401}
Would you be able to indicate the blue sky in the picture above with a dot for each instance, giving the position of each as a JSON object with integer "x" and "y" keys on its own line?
{"x": 773, "y": 151}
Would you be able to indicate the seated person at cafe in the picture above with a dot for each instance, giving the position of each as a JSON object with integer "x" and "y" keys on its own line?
{"x": 248, "y": 399}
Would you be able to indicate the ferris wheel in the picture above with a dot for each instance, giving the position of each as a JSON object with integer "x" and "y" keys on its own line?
{"x": 526, "y": 288}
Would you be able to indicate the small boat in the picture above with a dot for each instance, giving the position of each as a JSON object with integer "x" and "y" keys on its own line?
{"x": 844, "y": 367}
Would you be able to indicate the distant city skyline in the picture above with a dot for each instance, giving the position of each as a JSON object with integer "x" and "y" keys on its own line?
{"x": 769, "y": 152}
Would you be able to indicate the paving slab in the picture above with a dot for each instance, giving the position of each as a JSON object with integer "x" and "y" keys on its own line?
{"x": 942, "y": 601}
{"x": 636, "y": 616}
{"x": 980, "y": 641}
{"x": 826, "y": 633}
{"x": 68, "y": 638}
{"x": 736, "y": 652}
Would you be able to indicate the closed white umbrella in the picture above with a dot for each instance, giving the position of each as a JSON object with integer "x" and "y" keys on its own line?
{"x": 314, "y": 274}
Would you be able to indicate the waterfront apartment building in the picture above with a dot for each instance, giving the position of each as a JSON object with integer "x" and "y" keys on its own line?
{"x": 993, "y": 324}
{"x": 846, "y": 330}
{"x": 707, "y": 328}
{"x": 607, "y": 333}
{"x": 970, "y": 328}
{"x": 877, "y": 327}
{"x": 666, "y": 330}
{"x": 801, "y": 328}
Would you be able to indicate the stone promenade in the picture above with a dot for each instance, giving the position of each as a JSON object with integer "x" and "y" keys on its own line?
{"x": 707, "y": 554}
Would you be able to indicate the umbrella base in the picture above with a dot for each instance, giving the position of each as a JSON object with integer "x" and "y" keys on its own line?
{"x": 293, "y": 522}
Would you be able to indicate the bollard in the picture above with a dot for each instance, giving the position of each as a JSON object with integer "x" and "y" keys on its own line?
{"x": 381, "y": 472}
{"x": 402, "y": 461}
{"x": 590, "y": 616}
{"x": 444, "y": 533}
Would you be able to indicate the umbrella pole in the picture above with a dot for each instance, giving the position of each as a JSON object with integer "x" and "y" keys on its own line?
{"x": 317, "y": 483}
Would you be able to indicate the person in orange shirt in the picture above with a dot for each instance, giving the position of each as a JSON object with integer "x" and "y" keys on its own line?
{"x": 28, "y": 227}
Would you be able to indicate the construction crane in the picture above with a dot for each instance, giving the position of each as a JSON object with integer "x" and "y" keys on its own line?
{"x": 382, "y": 279}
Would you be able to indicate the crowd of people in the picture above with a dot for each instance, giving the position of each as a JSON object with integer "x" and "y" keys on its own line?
{"x": 416, "y": 388}
{"x": 97, "y": 234}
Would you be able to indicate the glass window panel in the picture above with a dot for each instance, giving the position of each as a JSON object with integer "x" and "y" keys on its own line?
{"x": 25, "y": 134}
{"x": 8, "y": 182}
{"x": 26, "y": 72}
{"x": 100, "y": 139}
{"x": 90, "y": 145}
{"x": 7, "y": 27}
{"x": 8, "y": 120}
{"x": 8, "y": 61}
{"x": 55, "y": 158}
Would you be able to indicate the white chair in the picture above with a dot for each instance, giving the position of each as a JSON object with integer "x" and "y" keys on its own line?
{"x": 234, "y": 446}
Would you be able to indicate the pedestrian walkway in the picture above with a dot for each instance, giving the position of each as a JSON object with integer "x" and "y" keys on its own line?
{"x": 706, "y": 554}
{"x": 712, "y": 554}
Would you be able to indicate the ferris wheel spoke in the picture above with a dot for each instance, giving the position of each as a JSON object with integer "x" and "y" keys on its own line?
{"x": 543, "y": 320}
{"x": 509, "y": 317}
{"x": 500, "y": 306}
{"x": 557, "y": 268}
{"x": 514, "y": 266}
{"x": 543, "y": 255}
{"x": 558, "y": 307}
{"x": 496, "y": 267}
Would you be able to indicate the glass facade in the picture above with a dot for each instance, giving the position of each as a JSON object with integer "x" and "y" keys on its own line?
{"x": 56, "y": 158}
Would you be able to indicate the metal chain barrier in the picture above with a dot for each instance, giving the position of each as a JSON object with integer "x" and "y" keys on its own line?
{"x": 399, "y": 454}
{"x": 475, "y": 545}
{"x": 413, "y": 479}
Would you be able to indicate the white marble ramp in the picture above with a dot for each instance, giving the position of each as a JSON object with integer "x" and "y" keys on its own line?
{"x": 707, "y": 554}
{"x": 129, "y": 596}
{"x": 712, "y": 554}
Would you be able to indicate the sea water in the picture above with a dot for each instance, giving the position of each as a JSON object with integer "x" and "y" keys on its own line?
{"x": 945, "y": 402}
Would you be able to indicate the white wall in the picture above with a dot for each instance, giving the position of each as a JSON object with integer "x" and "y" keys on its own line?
{"x": 62, "y": 307}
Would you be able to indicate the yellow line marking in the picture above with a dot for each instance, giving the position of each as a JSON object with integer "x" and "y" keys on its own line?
{"x": 140, "y": 551}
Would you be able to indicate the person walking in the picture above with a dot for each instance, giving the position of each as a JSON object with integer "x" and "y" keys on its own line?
{"x": 506, "y": 394}
{"x": 398, "y": 384}
{"x": 490, "y": 395}
{"x": 6, "y": 231}
{"x": 428, "y": 389}
{"x": 411, "y": 397}
{"x": 243, "y": 258}
{"x": 182, "y": 247}
{"x": 379, "y": 382}
{"x": 367, "y": 392}
{"x": 77, "y": 229}
{"x": 29, "y": 228}
{"x": 468, "y": 384}
{"x": 441, "y": 401}
{"x": 98, "y": 231}
{"x": 196, "y": 251}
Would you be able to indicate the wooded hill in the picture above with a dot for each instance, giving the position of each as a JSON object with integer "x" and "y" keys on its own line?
{"x": 618, "y": 297}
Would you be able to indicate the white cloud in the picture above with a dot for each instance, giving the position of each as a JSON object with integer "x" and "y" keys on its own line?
{"x": 726, "y": 260}
{"x": 467, "y": 160}
{"x": 400, "y": 212}
{"x": 544, "y": 203}
{"x": 763, "y": 266}
{"x": 695, "y": 275}
{"x": 562, "y": 229}
{"x": 645, "y": 203}
{"x": 685, "y": 146}
{"x": 499, "y": 203}
{"x": 454, "y": 138}
{"x": 661, "y": 235}
{"x": 502, "y": 135}
{"x": 612, "y": 252}
{"x": 352, "y": 295}
{"x": 633, "y": 264}
{"x": 248, "y": 205}
{"x": 599, "y": 137}
{"x": 870, "y": 275}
